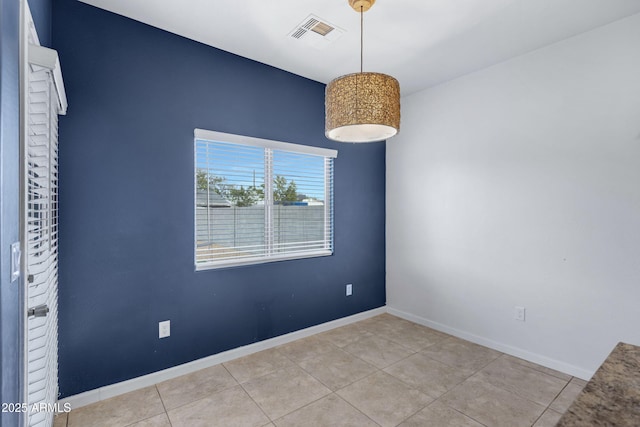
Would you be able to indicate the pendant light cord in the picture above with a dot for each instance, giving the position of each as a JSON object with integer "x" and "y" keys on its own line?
{"x": 361, "y": 36}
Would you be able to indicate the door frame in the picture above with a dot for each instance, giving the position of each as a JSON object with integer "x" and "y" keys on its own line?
{"x": 25, "y": 17}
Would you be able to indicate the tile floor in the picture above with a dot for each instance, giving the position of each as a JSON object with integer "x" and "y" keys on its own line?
{"x": 383, "y": 371}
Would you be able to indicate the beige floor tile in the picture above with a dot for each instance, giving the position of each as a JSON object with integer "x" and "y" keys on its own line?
{"x": 409, "y": 334}
{"x": 384, "y": 398}
{"x": 378, "y": 327}
{"x": 417, "y": 337}
{"x": 337, "y": 368}
{"x": 284, "y": 391}
{"x": 439, "y": 415}
{"x": 328, "y": 411}
{"x": 231, "y": 407}
{"x": 461, "y": 354}
{"x": 194, "y": 386}
{"x": 540, "y": 368}
{"x": 522, "y": 380}
{"x": 548, "y": 419}
{"x": 395, "y": 322}
{"x": 306, "y": 348}
{"x": 344, "y": 335}
{"x": 427, "y": 375}
{"x": 378, "y": 351}
{"x": 567, "y": 396}
{"x": 491, "y": 405}
{"x": 384, "y": 317}
{"x": 119, "y": 411}
{"x": 60, "y": 420}
{"x": 258, "y": 364}
{"x": 578, "y": 381}
{"x": 161, "y": 420}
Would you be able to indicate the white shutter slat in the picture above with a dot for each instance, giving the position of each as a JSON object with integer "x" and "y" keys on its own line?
{"x": 41, "y": 243}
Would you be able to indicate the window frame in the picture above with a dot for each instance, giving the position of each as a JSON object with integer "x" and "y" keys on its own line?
{"x": 329, "y": 155}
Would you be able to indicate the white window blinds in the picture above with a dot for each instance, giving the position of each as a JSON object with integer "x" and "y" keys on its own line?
{"x": 259, "y": 201}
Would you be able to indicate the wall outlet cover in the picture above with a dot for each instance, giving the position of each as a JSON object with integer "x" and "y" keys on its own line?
{"x": 164, "y": 329}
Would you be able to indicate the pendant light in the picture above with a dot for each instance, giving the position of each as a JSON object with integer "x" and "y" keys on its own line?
{"x": 362, "y": 107}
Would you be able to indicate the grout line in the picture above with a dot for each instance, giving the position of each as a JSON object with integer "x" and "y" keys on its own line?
{"x": 161, "y": 399}
{"x": 255, "y": 403}
{"x": 229, "y": 372}
{"x": 163, "y": 405}
{"x": 537, "y": 419}
{"x": 419, "y": 410}
{"x": 241, "y": 384}
{"x": 439, "y": 399}
{"x": 201, "y": 398}
{"x": 350, "y": 404}
{"x": 463, "y": 414}
{"x": 305, "y": 405}
{"x": 152, "y": 416}
{"x": 536, "y": 367}
{"x": 263, "y": 375}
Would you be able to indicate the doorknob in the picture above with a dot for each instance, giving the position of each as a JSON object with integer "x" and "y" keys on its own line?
{"x": 38, "y": 311}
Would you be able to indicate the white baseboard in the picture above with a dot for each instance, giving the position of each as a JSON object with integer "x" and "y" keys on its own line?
{"x": 504, "y": 348}
{"x": 102, "y": 393}
{"x": 106, "y": 392}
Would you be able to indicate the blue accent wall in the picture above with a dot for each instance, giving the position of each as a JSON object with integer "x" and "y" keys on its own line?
{"x": 41, "y": 15}
{"x": 136, "y": 94}
{"x": 9, "y": 205}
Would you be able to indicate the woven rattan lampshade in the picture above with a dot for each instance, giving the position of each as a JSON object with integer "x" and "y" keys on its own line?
{"x": 362, "y": 107}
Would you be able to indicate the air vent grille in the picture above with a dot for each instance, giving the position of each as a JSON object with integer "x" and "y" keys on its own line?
{"x": 322, "y": 28}
{"x": 310, "y": 24}
{"x": 316, "y": 32}
{"x": 298, "y": 33}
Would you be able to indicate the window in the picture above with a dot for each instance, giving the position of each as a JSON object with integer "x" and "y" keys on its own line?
{"x": 259, "y": 201}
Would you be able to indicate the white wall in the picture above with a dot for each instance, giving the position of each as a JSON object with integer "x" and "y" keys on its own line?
{"x": 519, "y": 185}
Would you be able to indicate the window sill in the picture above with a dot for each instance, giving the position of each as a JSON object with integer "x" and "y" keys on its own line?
{"x": 212, "y": 265}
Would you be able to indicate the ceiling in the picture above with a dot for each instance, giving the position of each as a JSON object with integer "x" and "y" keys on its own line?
{"x": 420, "y": 42}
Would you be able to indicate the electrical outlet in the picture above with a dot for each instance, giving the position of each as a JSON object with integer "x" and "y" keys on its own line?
{"x": 349, "y": 289}
{"x": 164, "y": 329}
{"x": 519, "y": 313}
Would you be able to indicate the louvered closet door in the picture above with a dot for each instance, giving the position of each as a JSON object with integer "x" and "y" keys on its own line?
{"x": 41, "y": 186}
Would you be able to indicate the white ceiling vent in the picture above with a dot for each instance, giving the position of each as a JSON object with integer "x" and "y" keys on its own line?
{"x": 316, "y": 32}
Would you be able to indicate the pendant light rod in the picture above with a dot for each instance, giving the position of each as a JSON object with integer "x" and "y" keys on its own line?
{"x": 361, "y": 36}
{"x": 361, "y": 6}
